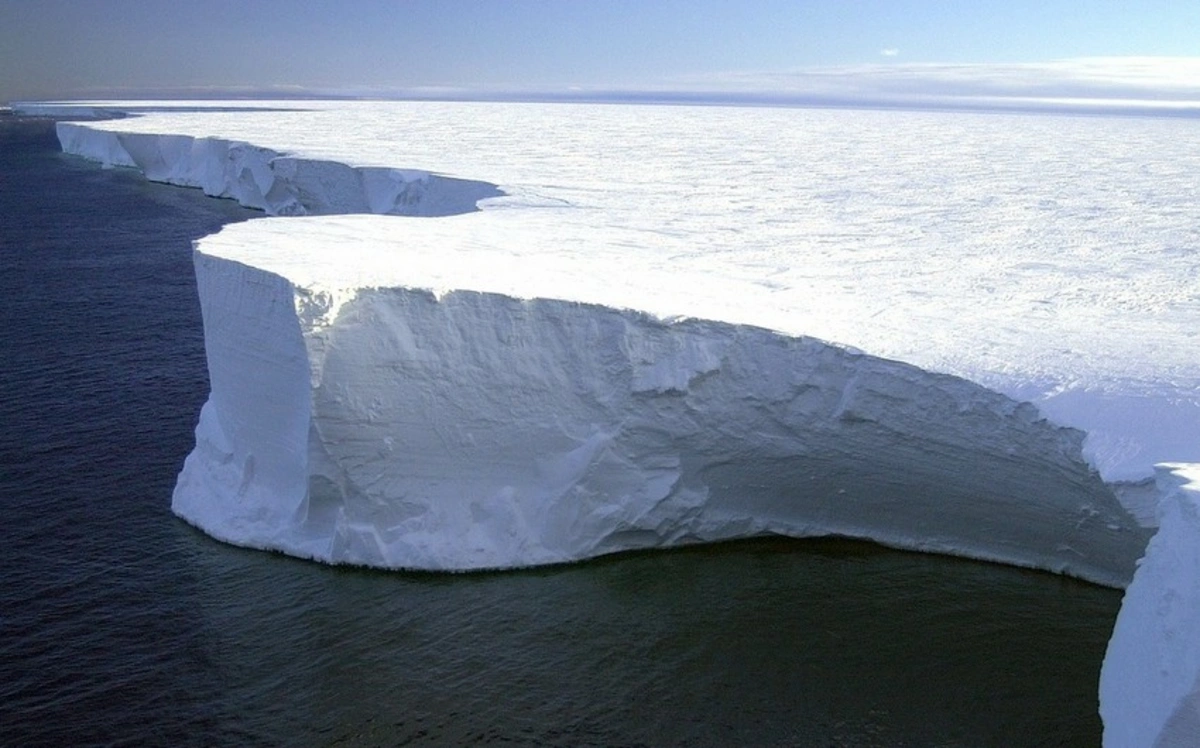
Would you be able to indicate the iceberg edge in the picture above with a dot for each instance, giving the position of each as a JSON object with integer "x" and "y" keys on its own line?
{"x": 471, "y": 430}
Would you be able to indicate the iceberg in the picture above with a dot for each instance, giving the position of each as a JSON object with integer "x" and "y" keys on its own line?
{"x": 402, "y": 425}
{"x": 969, "y": 334}
{"x": 272, "y": 182}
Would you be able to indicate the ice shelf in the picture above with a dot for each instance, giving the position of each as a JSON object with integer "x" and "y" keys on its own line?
{"x": 273, "y": 182}
{"x": 626, "y": 347}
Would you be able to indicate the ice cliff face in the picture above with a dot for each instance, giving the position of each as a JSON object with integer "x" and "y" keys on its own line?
{"x": 273, "y": 182}
{"x": 395, "y": 427}
{"x": 1150, "y": 683}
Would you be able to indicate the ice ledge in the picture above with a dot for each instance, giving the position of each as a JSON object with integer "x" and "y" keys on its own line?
{"x": 1150, "y": 681}
{"x": 395, "y": 427}
{"x": 274, "y": 182}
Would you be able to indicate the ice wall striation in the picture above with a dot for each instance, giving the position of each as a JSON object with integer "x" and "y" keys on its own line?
{"x": 1150, "y": 682}
{"x": 394, "y": 427}
{"x": 273, "y": 182}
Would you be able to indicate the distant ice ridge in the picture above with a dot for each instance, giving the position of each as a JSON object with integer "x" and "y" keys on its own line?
{"x": 1150, "y": 682}
{"x": 273, "y": 182}
{"x": 74, "y": 110}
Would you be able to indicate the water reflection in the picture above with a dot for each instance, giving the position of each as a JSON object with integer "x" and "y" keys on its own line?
{"x": 765, "y": 642}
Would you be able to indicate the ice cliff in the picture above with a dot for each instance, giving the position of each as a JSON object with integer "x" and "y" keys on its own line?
{"x": 274, "y": 182}
{"x": 1150, "y": 683}
{"x": 417, "y": 395}
{"x": 403, "y": 426}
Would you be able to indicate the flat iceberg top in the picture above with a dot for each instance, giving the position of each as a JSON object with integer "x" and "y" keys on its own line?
{"x": 1050, "y": 258}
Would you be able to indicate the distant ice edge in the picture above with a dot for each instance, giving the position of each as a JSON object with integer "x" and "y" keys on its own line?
{"x": 273, "y": 182}
{"x": 478, "y": 431}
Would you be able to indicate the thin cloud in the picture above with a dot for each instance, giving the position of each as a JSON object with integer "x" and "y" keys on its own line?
{"x": 1141, "y": 85}
{"x": 1154, "y": 80}
{"x": 889, "y": 52}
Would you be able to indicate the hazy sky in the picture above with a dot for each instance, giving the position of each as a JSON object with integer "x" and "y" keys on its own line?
{"x": 95, "y": 48}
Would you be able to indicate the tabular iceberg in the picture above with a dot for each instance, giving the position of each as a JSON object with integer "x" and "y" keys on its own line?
{"x": 476, "y": 391}
{"x": 393, "y": 426}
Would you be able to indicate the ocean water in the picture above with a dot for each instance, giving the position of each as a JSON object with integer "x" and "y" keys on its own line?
{"x": 121, "y": 625}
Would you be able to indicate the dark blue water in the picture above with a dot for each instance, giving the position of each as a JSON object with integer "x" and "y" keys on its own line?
{"x": 120, "y": 625}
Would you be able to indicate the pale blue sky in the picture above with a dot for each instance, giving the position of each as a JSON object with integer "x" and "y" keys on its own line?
{"x": 89, "y": 48}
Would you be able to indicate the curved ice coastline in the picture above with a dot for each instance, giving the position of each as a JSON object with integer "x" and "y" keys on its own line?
{"x": 274, "y": 182}
{"x": 1150, "y": 682}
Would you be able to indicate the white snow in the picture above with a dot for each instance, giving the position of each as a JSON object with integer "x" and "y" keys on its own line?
{"x": 1150, "y": 682}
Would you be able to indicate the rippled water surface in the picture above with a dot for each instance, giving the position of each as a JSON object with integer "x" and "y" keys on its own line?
{"x": 120, "y": 625}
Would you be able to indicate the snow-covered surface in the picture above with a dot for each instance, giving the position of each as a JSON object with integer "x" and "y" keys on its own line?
{"x": 878, "y": 230}
{"x": 1050, "y": 258}
{"x": 615, "y": 352}
{"x": 1150, "y": 682}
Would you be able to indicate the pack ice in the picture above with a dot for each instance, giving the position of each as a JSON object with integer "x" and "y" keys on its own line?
{"x": 624, "y": 347}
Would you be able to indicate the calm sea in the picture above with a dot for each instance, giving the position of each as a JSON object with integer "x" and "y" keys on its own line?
{"x": 121, "y": 625}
